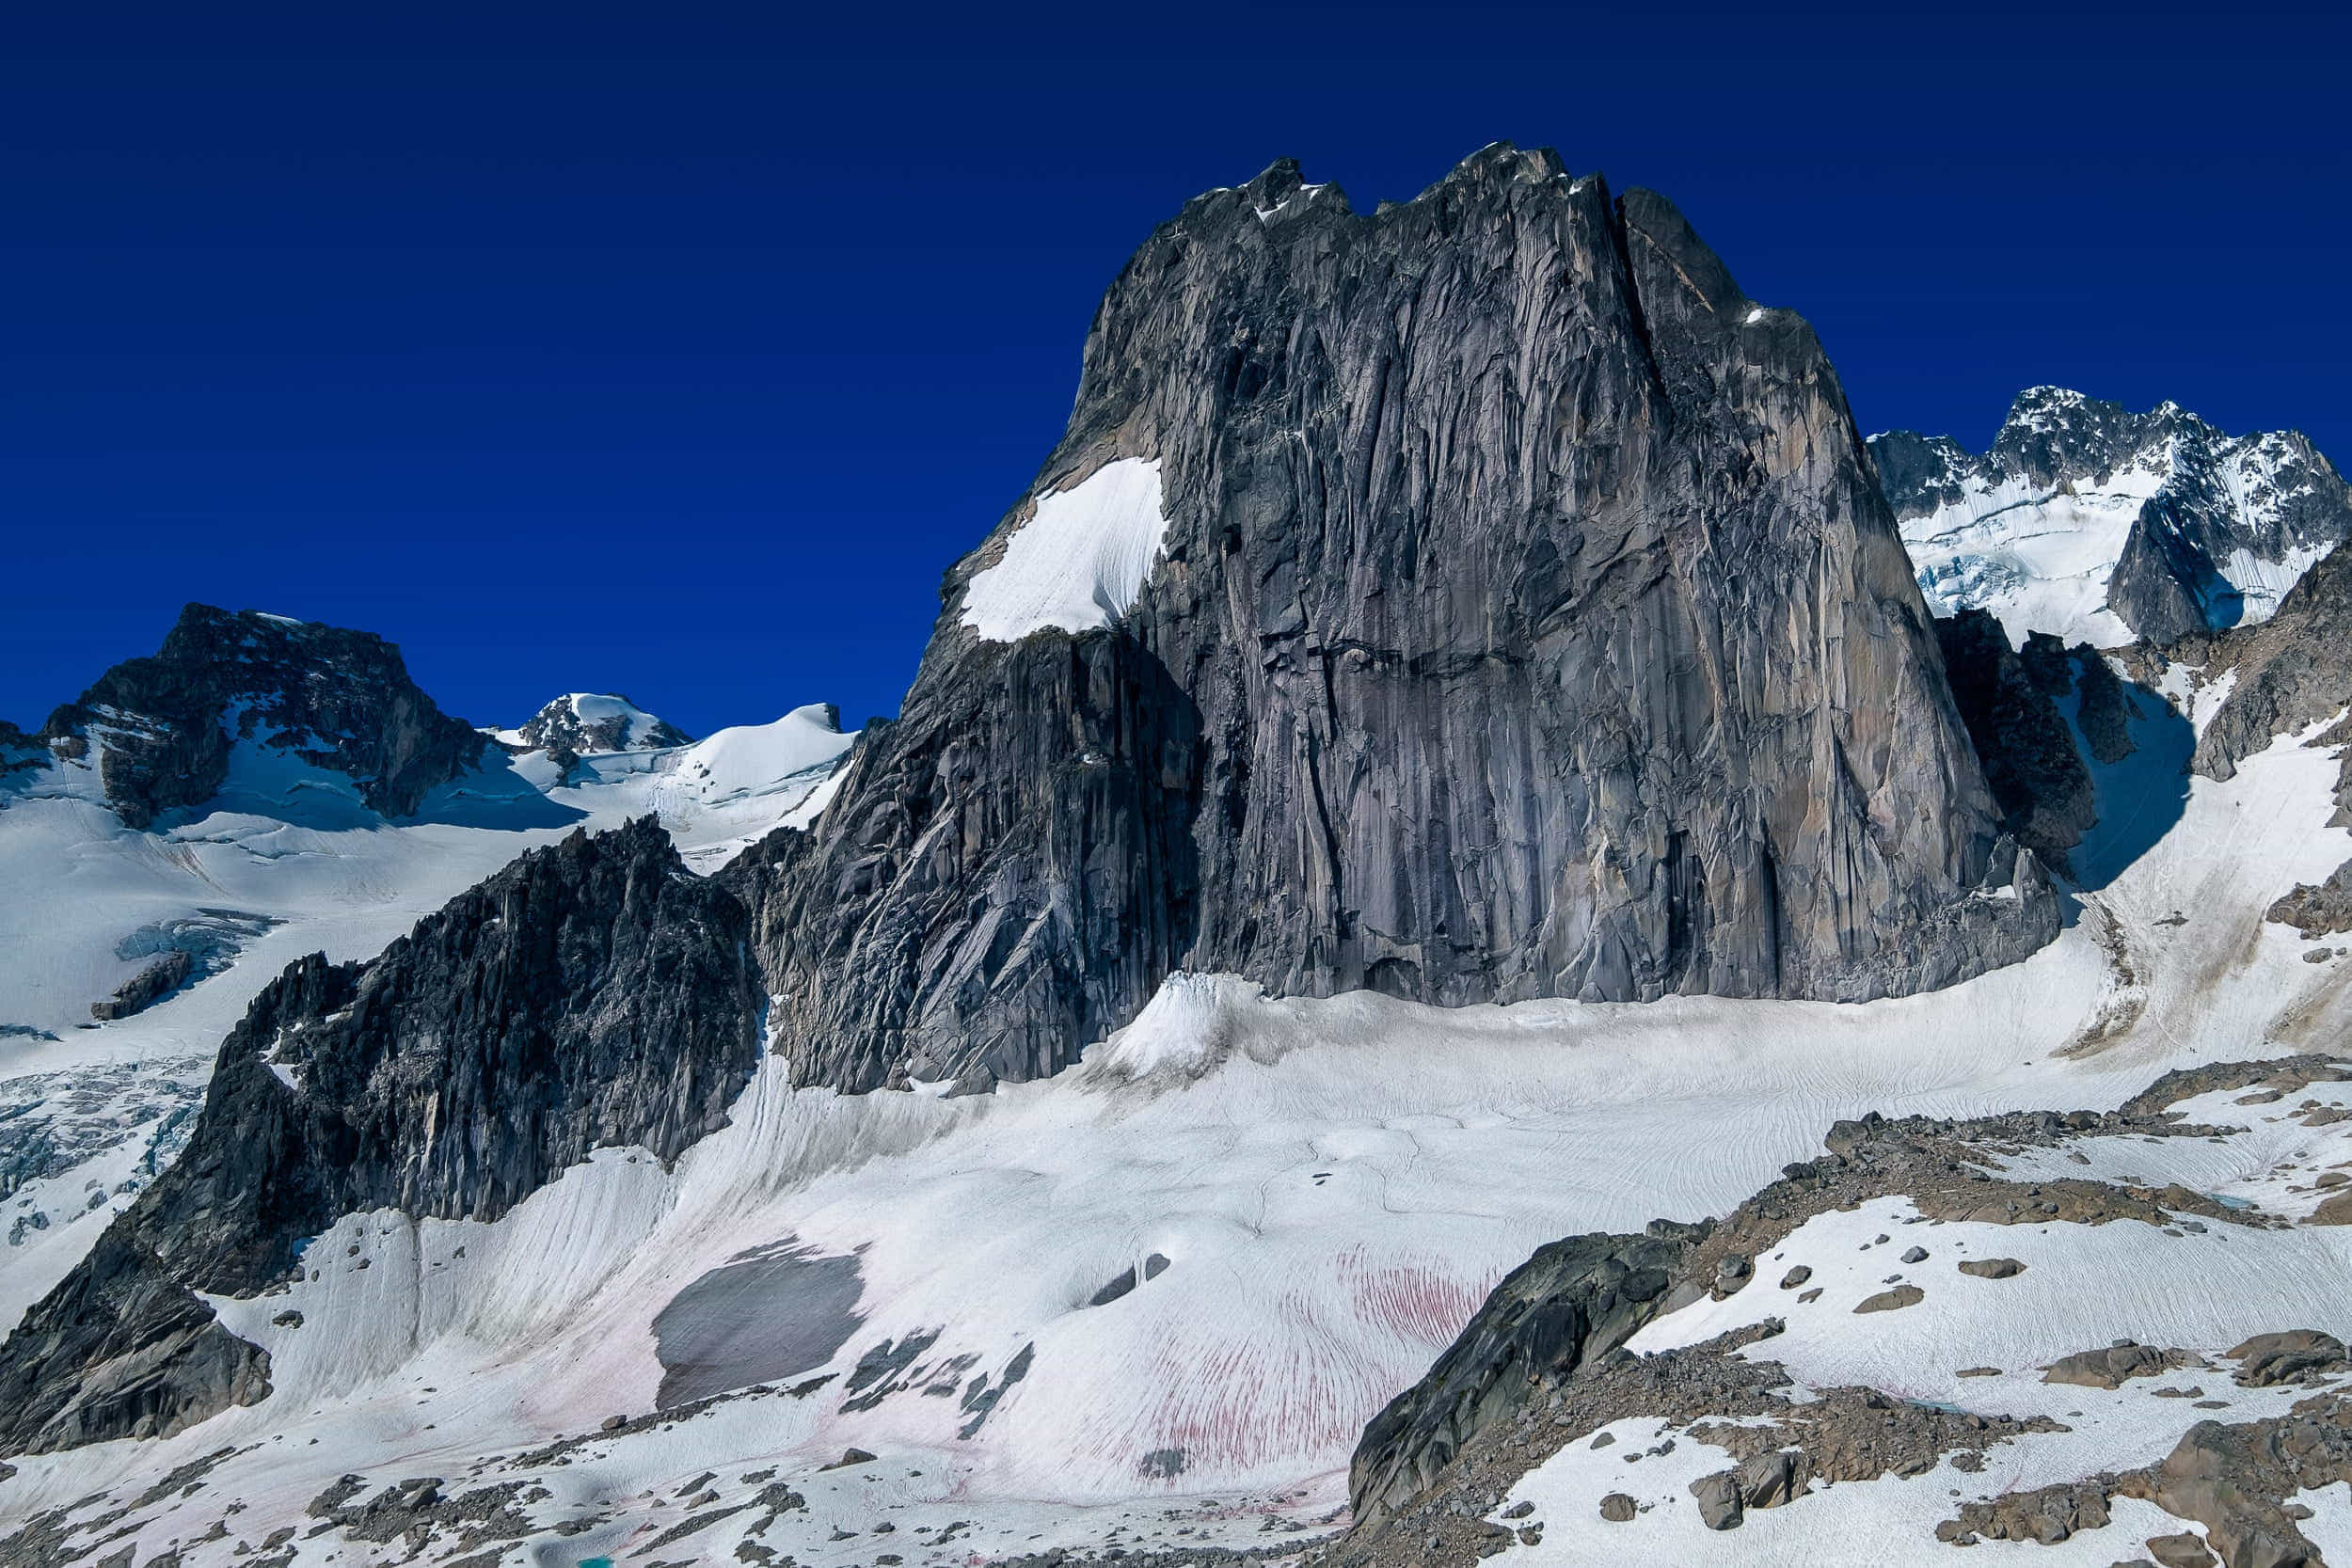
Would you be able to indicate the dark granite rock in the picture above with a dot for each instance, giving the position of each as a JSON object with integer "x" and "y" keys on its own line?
{"x": 2287, "y": 675}
{"x": 19, "y": 751}
{"x": 1529, "y": 623}
{"x": 1720, "y": 1504}
{"x": 2295, "y": 1355}
{"x": 2114, "y": 1366}
{"x": 2269, "y": 495}
{"x": 149, "y": 986}
{"x": 2318, "y": 910}
{"x": 580, "y": 721}
{"x": 593, "y": 993}
{"x": 163, "y": 726}
{"x": 2029, "y": 758}
{"x": 1573, "y": 1302}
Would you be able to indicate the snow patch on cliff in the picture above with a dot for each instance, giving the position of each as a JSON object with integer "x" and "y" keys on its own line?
{"x": 1079, "y": 563}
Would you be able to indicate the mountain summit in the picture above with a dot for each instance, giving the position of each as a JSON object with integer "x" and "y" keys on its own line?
{"x": 160, "y": 731}
{"x": 2093, "y": 523}
{"x": 1477, "y": 600}
{"x": 590, "y": 721}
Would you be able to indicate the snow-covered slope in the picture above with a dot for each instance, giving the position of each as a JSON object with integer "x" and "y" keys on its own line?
{"x": 2202, "y": 530}
{"x": 1160, "y": 1295}
{"x": 285, "y": 859}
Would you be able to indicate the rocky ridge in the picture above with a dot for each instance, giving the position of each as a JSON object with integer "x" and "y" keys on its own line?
{"x": 592, "y": 994}
{"x": 580, "y": 721}
{"x": 1434, "y": 1469}
{"x": 2089, "y": 521}
{"x": 1523, "y": 619}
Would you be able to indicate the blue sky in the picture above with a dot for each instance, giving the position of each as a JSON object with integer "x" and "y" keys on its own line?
{"x": 678, "y": 349}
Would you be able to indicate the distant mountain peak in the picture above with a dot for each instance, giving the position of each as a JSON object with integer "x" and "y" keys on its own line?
{"x": 159, "y": 729}
{"x": 582, "y": 722}
{"x": 2094, "y": 523}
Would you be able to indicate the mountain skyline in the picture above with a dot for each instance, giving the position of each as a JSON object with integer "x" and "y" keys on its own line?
{"x": 1445, "y": 782}
{"x": 528, "y": 343}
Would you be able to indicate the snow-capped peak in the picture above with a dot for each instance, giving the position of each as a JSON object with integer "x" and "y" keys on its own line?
{"x": 2101, "y": 525}
{"x": 584, "y": 721}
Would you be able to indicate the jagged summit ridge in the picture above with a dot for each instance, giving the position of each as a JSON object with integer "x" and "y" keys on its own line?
{"x": 2091, "y": 522}
{"x": 1526, "y": 622}
{"x": 590, "y": 995}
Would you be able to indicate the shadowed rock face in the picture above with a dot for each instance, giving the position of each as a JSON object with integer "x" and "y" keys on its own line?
{"x": 1529, "y": 623}
{"x": 2037, "y": 777}
{"x": 593, "y": 993}
{"x": 163, "y": 726}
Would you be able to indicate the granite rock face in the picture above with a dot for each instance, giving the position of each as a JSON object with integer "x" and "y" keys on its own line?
{"x": 163, "y": 726}
{"x": 2287, "y": 675}
{"x": 1572, "y": 1303}
{"x": 1527, "y": 622}
{"x": 2089, "y": 521}
{"x": 593, "y": 993}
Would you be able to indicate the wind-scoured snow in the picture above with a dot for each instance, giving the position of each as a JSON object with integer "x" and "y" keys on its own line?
{"x": 1079, "y": 562}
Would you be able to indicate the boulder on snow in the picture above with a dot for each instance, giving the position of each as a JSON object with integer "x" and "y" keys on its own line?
{"x": 2296, "y": 1355}
{"x": 1894, "y": 1300}
{"x": 1769, "y": 1479}
{"x": 1720, "y": 1506}
{"x": 2185, "y": 1550}
{"x": 2114, "y": 1366}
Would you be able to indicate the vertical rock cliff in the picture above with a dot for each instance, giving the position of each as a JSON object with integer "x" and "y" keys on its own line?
{"x": 1477, "y": 600}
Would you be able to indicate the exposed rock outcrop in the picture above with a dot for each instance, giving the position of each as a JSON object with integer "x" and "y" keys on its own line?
{"x": 1520, "y": 617}
{"x": 2286, "y": 675}
{"x": 163, "y": 726}
{"x": 580, "y": 721}
{"x": 2037, "y": 776}
{"x": 593, "y": 993}
{"x": 2318, "y": 909}
{"x": 1542, "y": 1362}
{"x": 1573, "y": 1302}
{"x": 149, "y": 986}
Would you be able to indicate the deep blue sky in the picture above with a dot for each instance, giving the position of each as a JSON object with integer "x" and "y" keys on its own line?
{"x": 677, "y": 349}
